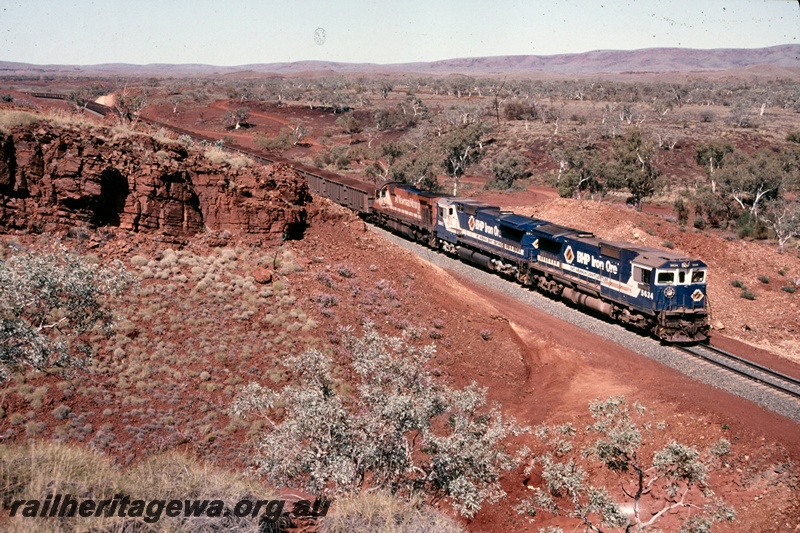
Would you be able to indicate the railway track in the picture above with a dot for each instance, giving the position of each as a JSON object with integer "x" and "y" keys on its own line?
{"x": 743, "y": 367}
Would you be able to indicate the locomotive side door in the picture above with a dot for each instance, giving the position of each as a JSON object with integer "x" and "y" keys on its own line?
{"x": 451, "y": 219}
{"x": 426, "y": 213}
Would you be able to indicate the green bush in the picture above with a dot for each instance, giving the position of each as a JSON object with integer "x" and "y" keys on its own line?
{"x": 738, "y": 284}
{"x": 747, "y": 295}
{"x": 681, "y": 210}
{"x": 508, "y": 167}
{"x": 279, "y": 143}
{"x": 749, "y": 226}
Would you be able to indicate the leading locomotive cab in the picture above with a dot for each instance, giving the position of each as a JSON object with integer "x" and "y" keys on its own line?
{"x": 681, "y": 288}
{"x": 678, "y": 287}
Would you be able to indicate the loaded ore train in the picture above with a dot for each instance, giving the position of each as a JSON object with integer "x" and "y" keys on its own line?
{"x": 659, "y": 291}
{"x": 655, "y": 290}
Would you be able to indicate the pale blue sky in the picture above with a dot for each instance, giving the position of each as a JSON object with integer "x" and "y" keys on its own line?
{"x": 237, "y": 32}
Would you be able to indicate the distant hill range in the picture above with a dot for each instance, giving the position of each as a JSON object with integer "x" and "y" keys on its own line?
{"x": 780, "y": 61}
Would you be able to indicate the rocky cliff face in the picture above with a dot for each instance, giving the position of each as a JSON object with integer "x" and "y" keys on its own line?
{"x": 55, "y": 177}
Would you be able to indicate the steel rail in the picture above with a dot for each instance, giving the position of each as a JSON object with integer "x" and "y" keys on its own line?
{"x": 745, "y": 373}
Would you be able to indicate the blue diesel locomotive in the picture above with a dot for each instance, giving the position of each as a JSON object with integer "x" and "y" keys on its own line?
{"x": 656, "y": 290}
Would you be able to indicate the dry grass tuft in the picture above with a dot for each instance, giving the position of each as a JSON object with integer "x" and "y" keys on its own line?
{"x": 383, "y": 513}
{"x": 219, "y": 157}
{"x": 12, "y": 119}
{"x": 40, "y": 469}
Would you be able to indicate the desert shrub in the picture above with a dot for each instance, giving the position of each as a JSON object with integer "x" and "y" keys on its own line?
{"x": 793, "y": 136}
{"x": 346, "y": 271}
{"x": 401, "y": 431}
{"x": 748, "y": 225}
{"x": 668, "y": 245}
{"x": 325, "y": 300}
{"x": 220, "y": 157}
{"x": 240, "y": 162}
{"x": 343, "y": 161}
{"x": 747, "y": 295}
{"x": 682, "y": 211}
{"x": 789, "y": 288}
{"x": 721, "y": 448}
{"x": 325, "y": 278}
{"x": 714, "y": 209}
{"x": 279, "y": 143}
{"x": 763, "y": 279}
{"x": 216, "y": 156}
{"x": 519, "y": 110}
{"x": 618, "y": 434}
{"x": 508, "y": 167}
{"x": 61, "y": 412}
{"x": 486, "y": 334}
{"x": 186, "y": 140}
{"x": 321, "y": 159}
{"x": 707, "y": 116}
{"x": 738, "y": 284}
{"x": 48, "y": 301}
{"x": 139, "y": 260}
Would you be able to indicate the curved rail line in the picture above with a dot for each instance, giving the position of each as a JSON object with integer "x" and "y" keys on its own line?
{"x": 743, "y": 367}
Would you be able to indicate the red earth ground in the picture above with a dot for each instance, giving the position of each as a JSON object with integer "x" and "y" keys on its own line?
{"x": 543, "y": 370}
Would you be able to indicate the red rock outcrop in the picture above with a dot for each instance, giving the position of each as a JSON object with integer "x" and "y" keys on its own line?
{"x": 54, "y": 177}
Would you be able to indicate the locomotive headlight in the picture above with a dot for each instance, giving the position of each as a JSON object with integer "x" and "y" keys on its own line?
{"x": 669, "y": 292}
